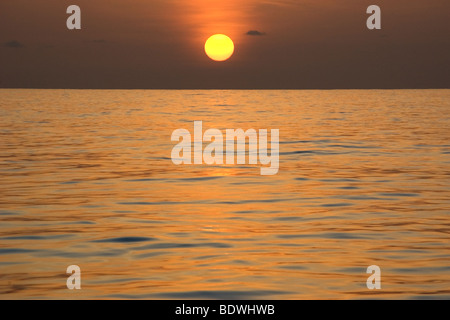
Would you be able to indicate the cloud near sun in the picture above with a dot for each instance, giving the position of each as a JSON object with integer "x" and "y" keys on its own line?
{"x": 255, "y": 33}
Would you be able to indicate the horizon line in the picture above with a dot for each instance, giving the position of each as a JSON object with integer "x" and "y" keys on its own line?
{"x": 181, "y": 89}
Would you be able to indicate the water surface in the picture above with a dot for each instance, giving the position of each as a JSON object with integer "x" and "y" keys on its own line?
{"x": 86, "y": 179}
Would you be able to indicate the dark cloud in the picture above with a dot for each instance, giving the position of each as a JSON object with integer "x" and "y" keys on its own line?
{"x": 255, "y": 33}
{"x": 13, "y": 44}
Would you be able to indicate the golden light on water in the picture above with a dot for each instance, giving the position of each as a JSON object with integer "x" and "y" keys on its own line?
{"x": 95, "y": 186}
{"x": 219, "y": 47}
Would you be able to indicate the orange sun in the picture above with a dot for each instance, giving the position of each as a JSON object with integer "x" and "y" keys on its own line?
{"x": 219, "y": 47}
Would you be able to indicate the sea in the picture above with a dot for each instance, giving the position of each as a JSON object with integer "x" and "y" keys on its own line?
{"x": 87, "y": 179}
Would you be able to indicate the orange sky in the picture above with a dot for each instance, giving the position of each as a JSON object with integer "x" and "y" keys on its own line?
{"x": 159, "y": 44}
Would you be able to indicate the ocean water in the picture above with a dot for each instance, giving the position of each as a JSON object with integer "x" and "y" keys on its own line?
{"x": 87, "y": 179}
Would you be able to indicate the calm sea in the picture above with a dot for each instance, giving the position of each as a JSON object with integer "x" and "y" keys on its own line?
{"x": 86, "y": 179}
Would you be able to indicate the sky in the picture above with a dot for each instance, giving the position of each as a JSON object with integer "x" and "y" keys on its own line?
{"x": 279, "y": 44}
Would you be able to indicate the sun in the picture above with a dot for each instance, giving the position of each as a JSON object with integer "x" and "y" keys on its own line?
{"x": 219, "y": 47}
